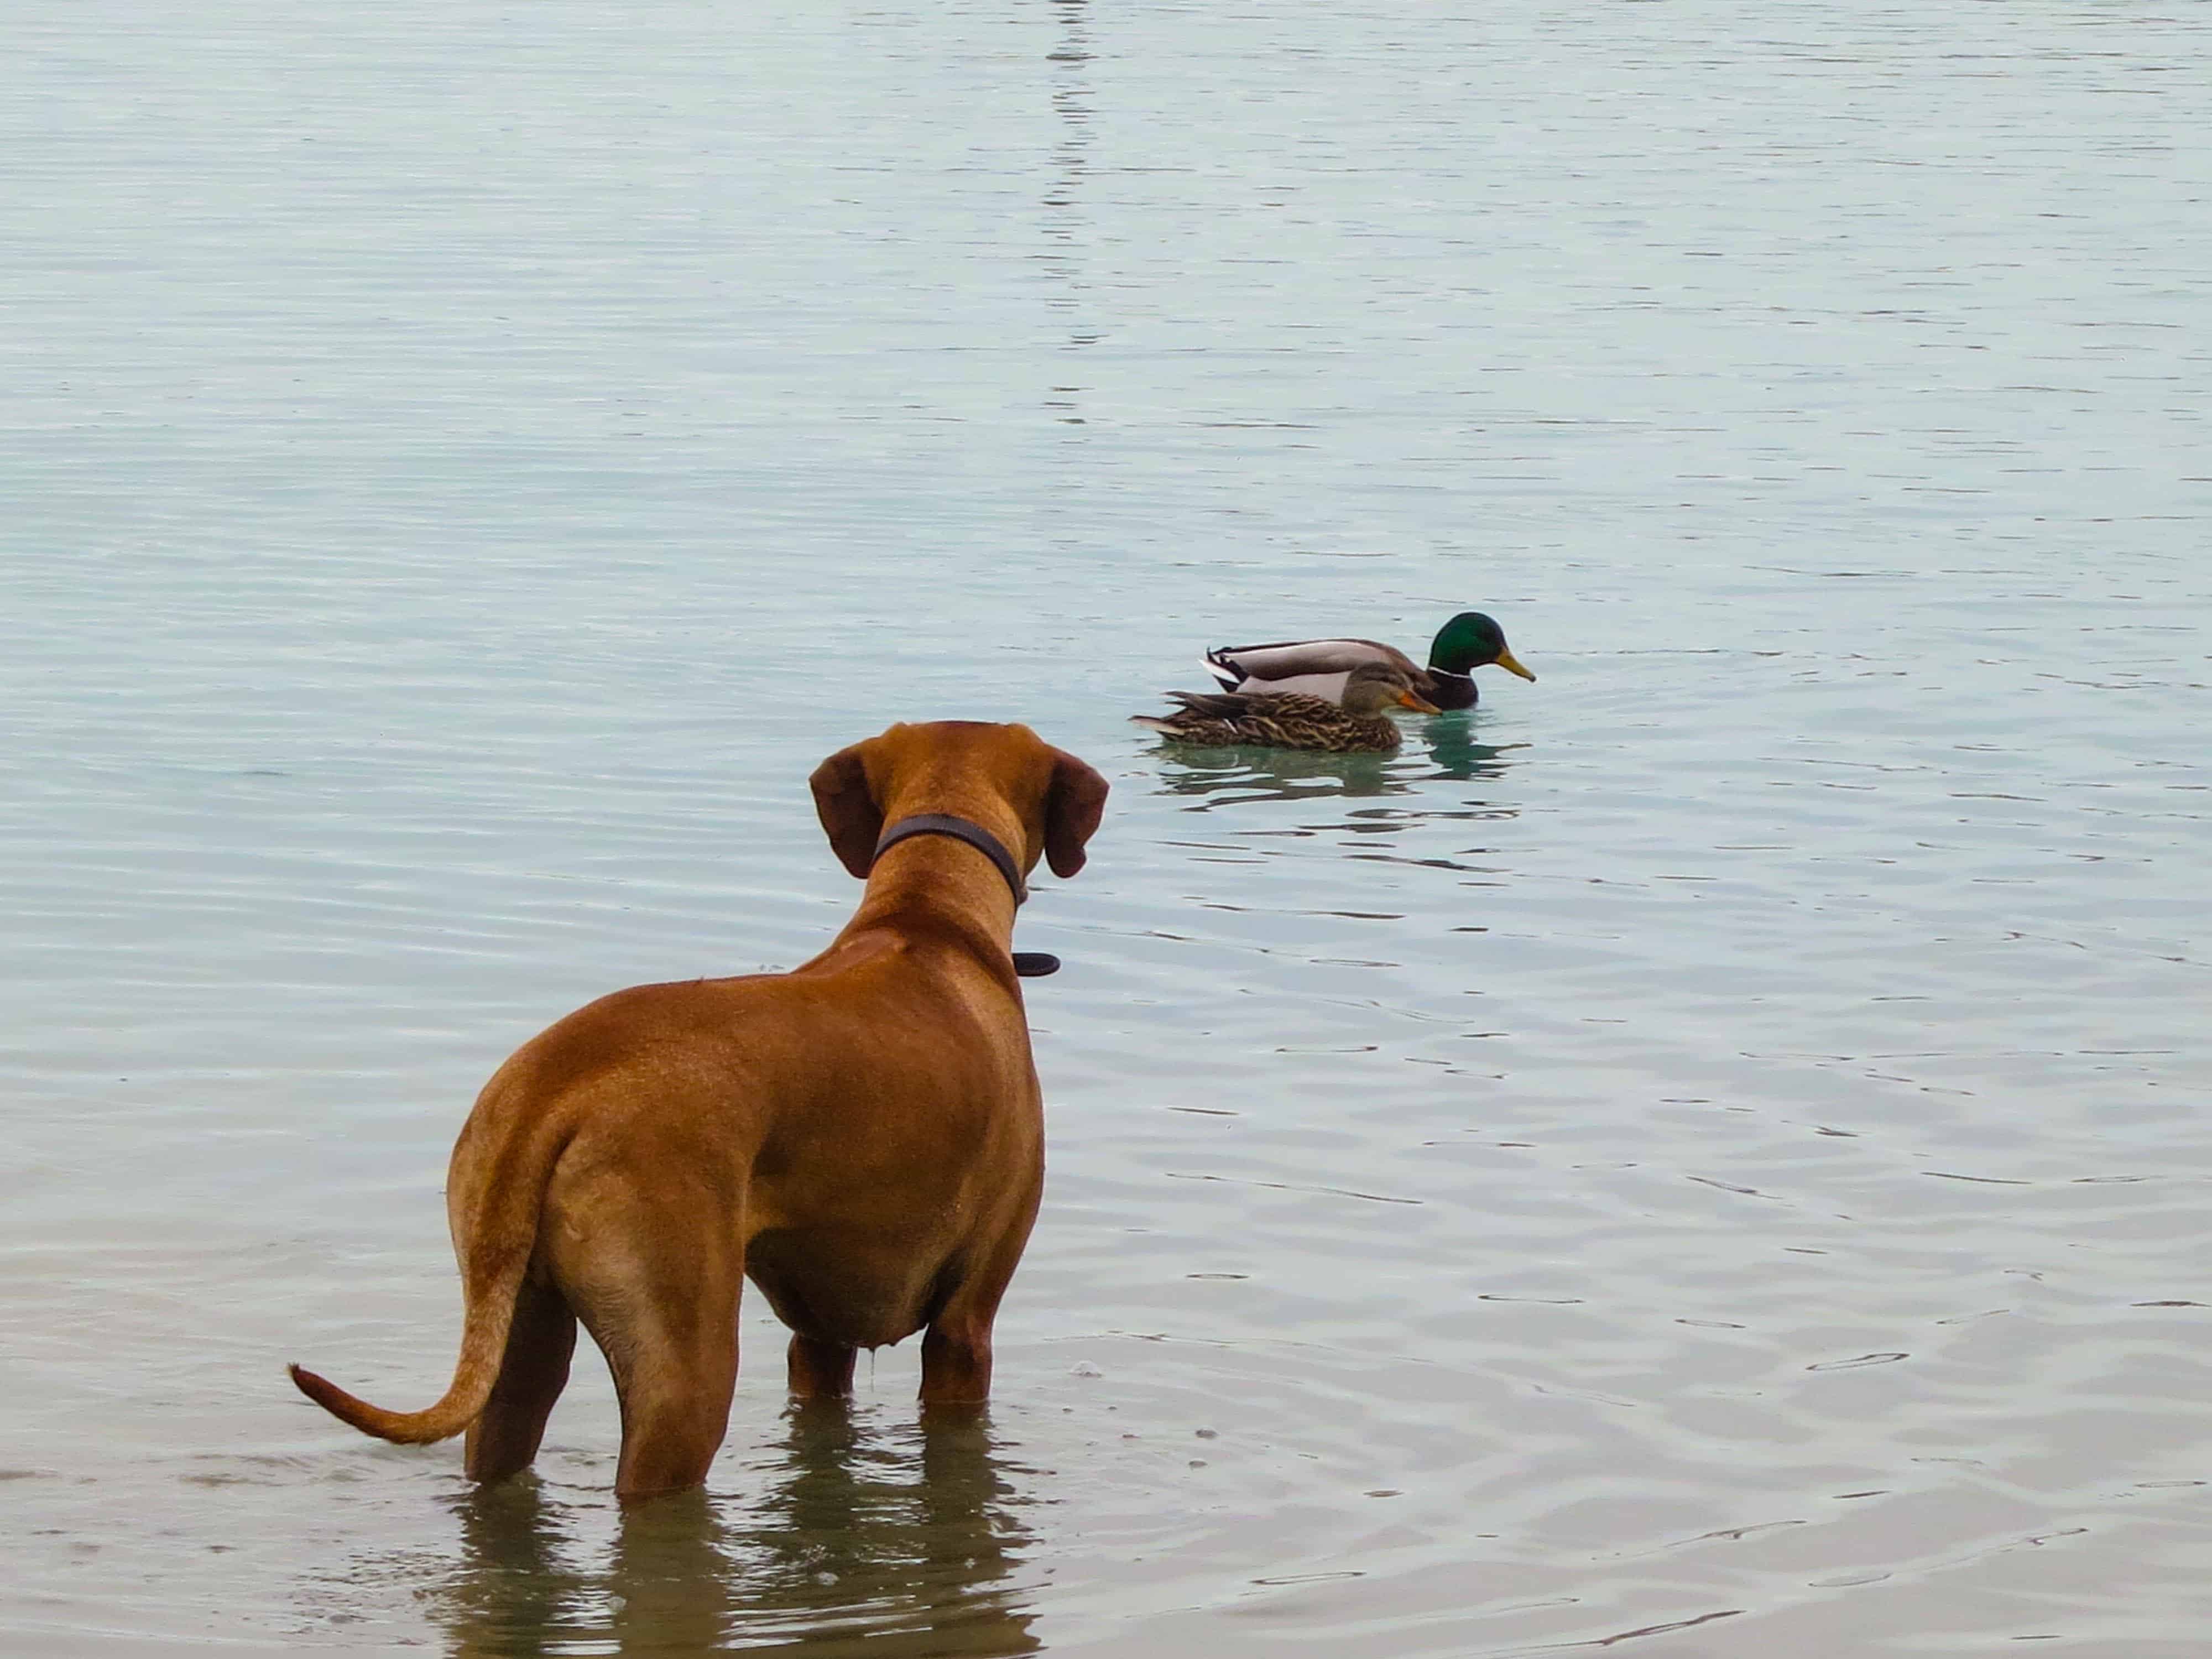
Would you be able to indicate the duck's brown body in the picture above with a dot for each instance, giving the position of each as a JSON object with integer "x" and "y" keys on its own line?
{"x": 1274, "y": 719}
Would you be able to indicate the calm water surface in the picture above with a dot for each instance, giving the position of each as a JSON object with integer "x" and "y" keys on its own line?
{"x": 1700, "y": 1158}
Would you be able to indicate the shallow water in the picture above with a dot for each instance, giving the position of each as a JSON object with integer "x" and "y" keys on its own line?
{"x": 1699, "y": 1158}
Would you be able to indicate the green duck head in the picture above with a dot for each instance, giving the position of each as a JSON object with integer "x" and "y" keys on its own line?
{"x": 1470, "y": 640}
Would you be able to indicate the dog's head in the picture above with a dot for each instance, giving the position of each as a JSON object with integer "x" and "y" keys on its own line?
{"x": 1002, "y": 777}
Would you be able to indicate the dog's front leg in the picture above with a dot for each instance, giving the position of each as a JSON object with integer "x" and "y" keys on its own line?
{"x": 821, "y": 1371}
{"x": 955, "y": 1362}
{"x": 956, "y": 1349}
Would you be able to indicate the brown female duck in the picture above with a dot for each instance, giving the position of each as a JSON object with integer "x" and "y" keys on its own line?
{"x": 1294, "y": 720}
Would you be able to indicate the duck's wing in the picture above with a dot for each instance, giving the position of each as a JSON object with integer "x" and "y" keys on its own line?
{"x": 1213, "y": 705}
{"x": 1274, "y": 719}
{"x": 1288, "y": 660}
{"x": 1201, "y": 717}
{"x": 1329, "y": 688}
{"x": 1233, "y": 706}
{"x": 1259, "y": 705}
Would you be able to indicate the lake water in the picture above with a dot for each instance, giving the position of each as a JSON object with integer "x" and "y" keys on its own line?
{"x": 1703, "y": 1158}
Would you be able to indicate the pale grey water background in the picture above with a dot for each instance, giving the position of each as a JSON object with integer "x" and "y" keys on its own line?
{"x": 1709, "y": 1148}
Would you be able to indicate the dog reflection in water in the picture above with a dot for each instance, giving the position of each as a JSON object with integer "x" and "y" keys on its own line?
{"x": 904, "y": 1542}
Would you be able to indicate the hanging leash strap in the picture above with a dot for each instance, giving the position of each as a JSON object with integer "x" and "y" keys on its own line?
{"x": 1030, "y": 964}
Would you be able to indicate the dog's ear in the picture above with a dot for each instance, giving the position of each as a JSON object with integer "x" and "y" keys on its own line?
{"x": 847, "y": 809}
{"x": 1074, "y": 803}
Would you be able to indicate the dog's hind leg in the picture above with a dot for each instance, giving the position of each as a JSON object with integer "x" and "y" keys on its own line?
{"x": 531, "y": 1374}
{"x": 676, "y": 1399}
{"x": 662, "y": 1304}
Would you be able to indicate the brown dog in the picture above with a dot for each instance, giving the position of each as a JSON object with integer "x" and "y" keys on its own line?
{"x": 863, "y": 1136}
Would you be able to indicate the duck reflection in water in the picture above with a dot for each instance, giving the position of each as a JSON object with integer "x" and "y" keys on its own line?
{"x": 1230, "y": 777}
{"x": 899, "y": 1545}
{"x": 1452, "y": 746}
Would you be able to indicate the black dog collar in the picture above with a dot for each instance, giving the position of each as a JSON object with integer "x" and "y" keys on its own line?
{"x": 1030, "y": 964}
{"x": 944, "y": 823}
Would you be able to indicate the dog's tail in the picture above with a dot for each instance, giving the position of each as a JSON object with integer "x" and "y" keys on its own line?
{"x": 501, "y": 1239}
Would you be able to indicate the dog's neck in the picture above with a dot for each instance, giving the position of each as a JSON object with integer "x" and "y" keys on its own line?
{"x": 947, "y": 884}
{"x": 1028, "y": 964}
{"x": 961, "y": 829}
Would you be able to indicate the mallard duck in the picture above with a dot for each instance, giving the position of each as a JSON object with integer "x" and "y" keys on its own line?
{"x": 1318, "y": 667}
{"x": 1294, "y": 720}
